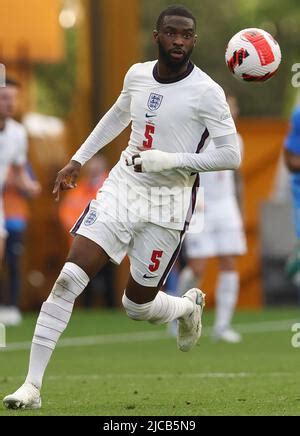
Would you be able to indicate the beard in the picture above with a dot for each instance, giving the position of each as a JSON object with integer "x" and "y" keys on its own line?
{"x": 171, "y": 63}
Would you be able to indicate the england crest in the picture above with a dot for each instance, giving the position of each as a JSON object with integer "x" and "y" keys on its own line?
{"x": 91, "y": 217}
{"x": 154, "y": 101}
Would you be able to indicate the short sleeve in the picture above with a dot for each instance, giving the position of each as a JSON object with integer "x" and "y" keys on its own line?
{"x": 215, "y": 112}
{"x": 21, "y": 147}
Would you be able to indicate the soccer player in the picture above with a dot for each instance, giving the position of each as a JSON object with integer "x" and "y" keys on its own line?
{"x": 221, "y": 235}
{"x": 13, "y": 149}
{"x": 292, "y": 160}
{"x": 173, "y": 107}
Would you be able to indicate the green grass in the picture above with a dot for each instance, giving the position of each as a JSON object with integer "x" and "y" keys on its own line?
{"x": 151, "y": 377}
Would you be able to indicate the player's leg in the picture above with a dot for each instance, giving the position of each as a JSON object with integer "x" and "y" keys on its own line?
{"x": 84, "y": 260}
{"x": 159, "y": 308}
{"x": 191, "y": 275}
{"x": 226, "y": 298}
{"x": 144, "y": 303}
{"x": 231, "y": 243}
{"x": 152, "y": 257}
{"x": 292, "y": 267}
{"x": 198, "y": 246}
{"x": 98, "y": 240}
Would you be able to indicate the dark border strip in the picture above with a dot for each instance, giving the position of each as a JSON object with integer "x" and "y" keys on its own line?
{"x": 79, "y": 221}
{"x": 182, "y": 233}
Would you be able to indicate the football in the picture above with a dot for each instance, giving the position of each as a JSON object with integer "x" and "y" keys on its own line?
{"x": 253, "y": 55}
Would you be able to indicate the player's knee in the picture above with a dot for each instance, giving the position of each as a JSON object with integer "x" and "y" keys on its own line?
{"x": 137, "y": 312}
{"x": 60, "y": 287}
{"x": 69, "y": 284}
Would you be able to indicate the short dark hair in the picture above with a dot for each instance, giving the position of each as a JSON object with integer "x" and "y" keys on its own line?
{"x": 9, "y": 81}
{"x": 177, "y": 10}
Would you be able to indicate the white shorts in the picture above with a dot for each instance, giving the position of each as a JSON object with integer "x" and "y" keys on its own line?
{"x": 152, "y": 249}
{"x": 222, "y": 232}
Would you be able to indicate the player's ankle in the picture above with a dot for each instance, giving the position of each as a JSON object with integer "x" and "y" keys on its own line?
{"x": 37, "y": 384}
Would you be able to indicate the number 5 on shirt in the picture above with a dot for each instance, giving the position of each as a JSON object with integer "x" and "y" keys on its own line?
{"x": 149, "y": 132}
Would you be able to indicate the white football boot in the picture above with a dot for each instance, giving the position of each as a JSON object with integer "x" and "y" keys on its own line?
{"x": 189, "y": 326}
{"x": 26, "y": 397}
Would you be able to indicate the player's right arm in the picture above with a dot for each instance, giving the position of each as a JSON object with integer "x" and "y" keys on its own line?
{"x": 108, "y": 128}
{"x": 66, "y": 178}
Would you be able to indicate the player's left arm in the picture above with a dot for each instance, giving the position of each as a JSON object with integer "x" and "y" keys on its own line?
{"x": 226, "y": 156}
{"x": 215, "y": 114}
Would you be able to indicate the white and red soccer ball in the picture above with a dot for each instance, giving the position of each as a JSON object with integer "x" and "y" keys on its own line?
{"x": 253, "y": 55}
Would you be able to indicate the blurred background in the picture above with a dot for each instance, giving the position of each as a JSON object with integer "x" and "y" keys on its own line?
{"x": 71, "y": 56}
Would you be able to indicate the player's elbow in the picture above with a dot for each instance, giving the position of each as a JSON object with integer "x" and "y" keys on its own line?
{"x": 236, "y": 159}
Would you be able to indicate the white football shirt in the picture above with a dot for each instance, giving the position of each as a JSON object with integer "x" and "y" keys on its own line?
{"x": 13, "y": 149}
{"x": 173, "y": 116}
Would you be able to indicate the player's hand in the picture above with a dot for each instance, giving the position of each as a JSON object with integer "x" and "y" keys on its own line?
{"x": 33, "y": 188}
{"x": 152, "y": 161}
{"x": 66, "y": 178}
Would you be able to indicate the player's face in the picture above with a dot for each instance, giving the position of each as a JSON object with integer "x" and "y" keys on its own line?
{"x": 8, "y": 99}
{"x": 176, "y": 40}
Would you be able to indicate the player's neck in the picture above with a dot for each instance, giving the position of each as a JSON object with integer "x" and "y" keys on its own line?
{"x": 166, "y": 72}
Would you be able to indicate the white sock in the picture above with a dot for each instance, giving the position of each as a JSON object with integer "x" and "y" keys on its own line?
{"x": 187, "y": 280}
{"x": 226, "y": 298}
{"x": 165, "y": 308}
{"x": 53, "y": 319}
{"x": 162, "y": 309}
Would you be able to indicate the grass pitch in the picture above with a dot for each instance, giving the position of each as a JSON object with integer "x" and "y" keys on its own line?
{"x": 108, "y": 365}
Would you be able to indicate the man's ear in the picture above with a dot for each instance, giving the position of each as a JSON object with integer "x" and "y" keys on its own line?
{"x": 155, "y": 35}
{"x": 195, "y": 39}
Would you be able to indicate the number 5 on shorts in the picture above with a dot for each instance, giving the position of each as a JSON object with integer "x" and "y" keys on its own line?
{"x": 155, "y": 258}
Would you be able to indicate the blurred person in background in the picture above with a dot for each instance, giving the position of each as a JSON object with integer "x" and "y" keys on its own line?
{"x": 173, "y": 108}
{"x": 17, "y": 212}
{"x": 292, "y": 160}
{"x": 75, "y": 201}
{"x": 221, "y": 235}
{"x": 13, "y": 154}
